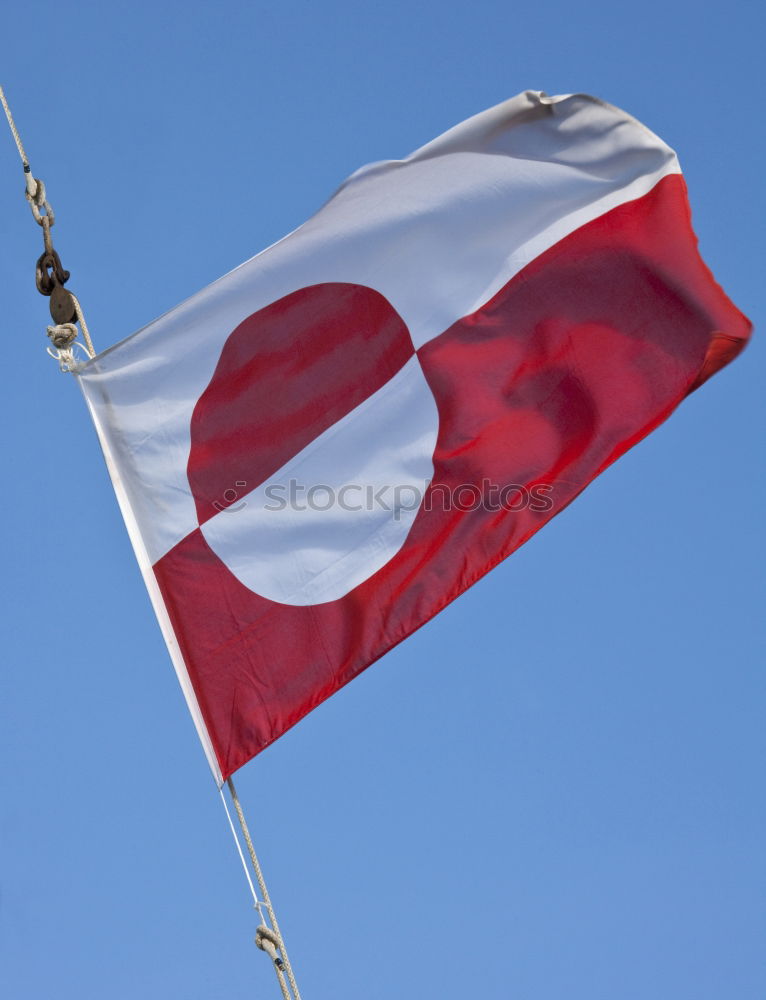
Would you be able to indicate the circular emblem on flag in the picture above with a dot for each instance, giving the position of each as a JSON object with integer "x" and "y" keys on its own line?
{"x": 312, "y": 446}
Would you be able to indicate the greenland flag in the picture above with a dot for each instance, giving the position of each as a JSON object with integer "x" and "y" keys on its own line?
{"x": 318, "y": 452}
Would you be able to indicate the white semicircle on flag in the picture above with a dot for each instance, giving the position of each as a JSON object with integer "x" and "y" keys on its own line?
{"x": 341, "y": 508}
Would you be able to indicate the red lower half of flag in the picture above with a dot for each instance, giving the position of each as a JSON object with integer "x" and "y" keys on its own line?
{"x": 577, "y": 358}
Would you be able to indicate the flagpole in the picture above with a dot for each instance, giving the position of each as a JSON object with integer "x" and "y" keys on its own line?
{"x": 268, "y": 939}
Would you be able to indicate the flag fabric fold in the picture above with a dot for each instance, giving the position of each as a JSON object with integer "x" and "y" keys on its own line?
{"x": 318, "y": 452}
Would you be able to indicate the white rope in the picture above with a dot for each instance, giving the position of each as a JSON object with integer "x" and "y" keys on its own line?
{"x": 285, "y": 961}
{"x": 84, "y": 327}
{"x": 35, "y": 188}
{"x": 256, "y": 901}
{"x": 64, "y": 340}
{"x": 267, "y": 941}
{"x": 14, "y": 130}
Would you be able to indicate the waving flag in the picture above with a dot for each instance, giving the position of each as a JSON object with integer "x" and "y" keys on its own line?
{"x": 318, "y": 452}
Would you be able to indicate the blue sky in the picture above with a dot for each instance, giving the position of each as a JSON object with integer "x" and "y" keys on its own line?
{"x": 556, "y": 787}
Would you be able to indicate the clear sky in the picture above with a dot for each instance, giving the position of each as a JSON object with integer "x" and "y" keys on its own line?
{"x": 555, "y": 789}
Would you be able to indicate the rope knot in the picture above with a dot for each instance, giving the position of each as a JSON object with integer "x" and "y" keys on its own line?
{"x": 267, "y": 941}
{"x": 62, "y": 335}
{"x": 64, "y": 339}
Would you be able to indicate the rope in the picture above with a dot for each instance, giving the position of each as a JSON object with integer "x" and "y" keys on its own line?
{"x": 282, "y": 983}
{"x": 14, "y": 131}
{"x": 83, "y": 326}
{"x": 267, "y": 941}
{"x": 256, "y": 901}
{"x": 263, "y": 934}
{"x": 32, "y": 183}
{"x": 51, "y": 276}
{"x": 266, "y": 902}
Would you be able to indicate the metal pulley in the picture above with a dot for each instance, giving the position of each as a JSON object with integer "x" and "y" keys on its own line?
{"x": 62, "y": 307}
{"x": 50, "y": 274}
{"x": 50, "y": 277}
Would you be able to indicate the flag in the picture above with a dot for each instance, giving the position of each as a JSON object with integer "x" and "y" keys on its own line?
{"x": 319, "y": 451}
